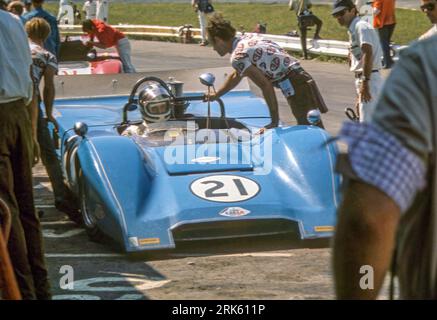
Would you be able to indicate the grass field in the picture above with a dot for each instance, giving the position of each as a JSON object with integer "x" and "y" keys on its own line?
{"x": 279, "y": 19}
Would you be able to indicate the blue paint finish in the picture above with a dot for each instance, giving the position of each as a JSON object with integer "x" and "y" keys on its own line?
{"x": 146, "y": 196}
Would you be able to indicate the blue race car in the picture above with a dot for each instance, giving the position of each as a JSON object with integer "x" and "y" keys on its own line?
{"x": 206, "y": 172}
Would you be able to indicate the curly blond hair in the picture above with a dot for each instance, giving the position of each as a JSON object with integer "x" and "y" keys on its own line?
{"x": 219, "y": 27}
{"x": 37, "y": 29}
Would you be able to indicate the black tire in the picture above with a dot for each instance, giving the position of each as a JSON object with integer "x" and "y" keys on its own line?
{"x": 87, "y": 210}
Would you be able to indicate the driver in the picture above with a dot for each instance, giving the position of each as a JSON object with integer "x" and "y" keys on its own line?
{"x": 155, "y": 108}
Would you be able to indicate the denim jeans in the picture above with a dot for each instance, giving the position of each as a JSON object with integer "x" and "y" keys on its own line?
{"x": 385, "y": 34}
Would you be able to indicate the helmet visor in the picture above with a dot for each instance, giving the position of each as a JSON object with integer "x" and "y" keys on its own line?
{"x": 158, "y": 107}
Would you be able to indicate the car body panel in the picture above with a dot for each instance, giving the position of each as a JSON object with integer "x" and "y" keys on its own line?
{"x": 150, "y": 200}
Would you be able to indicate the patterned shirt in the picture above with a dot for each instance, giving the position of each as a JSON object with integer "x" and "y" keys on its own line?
{"x": 266, "y": 55}
{"x": 42, "y": 59}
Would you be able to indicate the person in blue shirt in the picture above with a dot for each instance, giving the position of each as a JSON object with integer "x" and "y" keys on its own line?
{"x": 53, "y": 42}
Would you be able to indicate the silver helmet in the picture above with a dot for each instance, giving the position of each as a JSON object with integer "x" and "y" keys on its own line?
{"x": 155, "y": 103}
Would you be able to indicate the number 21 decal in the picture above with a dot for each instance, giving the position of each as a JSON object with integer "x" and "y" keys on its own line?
{"x": 225, "y": 188}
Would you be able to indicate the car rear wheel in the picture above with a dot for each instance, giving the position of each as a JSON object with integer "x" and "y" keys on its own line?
{"x": 90, "y": 210}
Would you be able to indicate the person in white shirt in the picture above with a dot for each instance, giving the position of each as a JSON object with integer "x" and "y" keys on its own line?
{"x": 102, "y": 10}
{"x": 365, "y": 56}
{"x": 90, "y": 9}
{"x": 18, "y": 149}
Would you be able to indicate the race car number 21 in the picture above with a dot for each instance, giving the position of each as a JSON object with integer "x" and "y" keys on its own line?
{"x": 225, "y": 188}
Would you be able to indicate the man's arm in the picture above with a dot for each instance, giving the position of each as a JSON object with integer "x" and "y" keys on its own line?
{"x": 49, "y": 92}
{"x": 367, "y": 59}
{"x": 365, "y": 235}
{"x": 230, "y": 83}
{"x": 268, "y": 91}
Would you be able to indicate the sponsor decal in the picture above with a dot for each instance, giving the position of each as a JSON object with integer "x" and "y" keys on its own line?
{"x": 133, "y": 241}
{"x": 274, "y": 65}
{"x": 149, "y": 241}
{"x": 240, "y": 55}
{"x": 252, "y": 43}
{"x": 239, "y": 47}
{"x": 225, "y": 188}
{"x": 287, "y": 61}
{"x": 206, "y": 159}
{"x": 257, "y": 55}
{"x": 234, "y": 212}
{"x": 271, "y": 50}
{"x": 324, "y": 228}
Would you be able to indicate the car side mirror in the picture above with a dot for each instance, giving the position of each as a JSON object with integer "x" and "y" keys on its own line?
{"x": 81, "y": 129}
{"x": 207, "y": 79}
{"x": 314, "y": 117}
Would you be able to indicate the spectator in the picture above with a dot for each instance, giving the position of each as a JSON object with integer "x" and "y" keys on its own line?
{"x": 53, "y": 42}
{"x": 76, "y": 13}
{"x": 17, "y": 8}
{"x": 109, "y": 37}
{"x": 267, "y": 65}
{"x": 102, "y": 10}
{"x": 62, "y": 11}
{"x": 17, "y": 151}
{"x": 430, "y": 8}
{"x": 45, "y": 66}
{"x": 27, "y": 6}
{"x": 365, "y": 55}
{"x": 384, "y": 20}
{"x": 203, "y": 8}
{"x": 90, "y": 9}
{"x": 305, "y": 19}
{"x": 3, "y": 5}
{"x": 390, "y": 198}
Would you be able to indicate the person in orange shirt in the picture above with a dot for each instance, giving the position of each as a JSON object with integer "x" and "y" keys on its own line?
{"x": 109, "y": 37}
{"x": 384, "y": 20}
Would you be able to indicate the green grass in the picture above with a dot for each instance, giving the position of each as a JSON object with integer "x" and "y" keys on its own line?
{"x": 279, "y": 19}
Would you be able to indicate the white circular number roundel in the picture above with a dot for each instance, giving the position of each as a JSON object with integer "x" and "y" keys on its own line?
{"x": 225, "y": 188}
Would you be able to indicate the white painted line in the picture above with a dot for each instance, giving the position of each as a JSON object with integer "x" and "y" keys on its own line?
{"x": 49, "y": 223}
{"x": 83, "y": 255}
{"x": 44, "y": 206}
{"x": 50, "y": 233}
{"x": 258, "y": 254}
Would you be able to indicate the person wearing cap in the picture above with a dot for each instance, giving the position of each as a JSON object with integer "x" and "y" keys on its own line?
{"x": 268, "y": 66}
{"x": 365, "y": 56}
